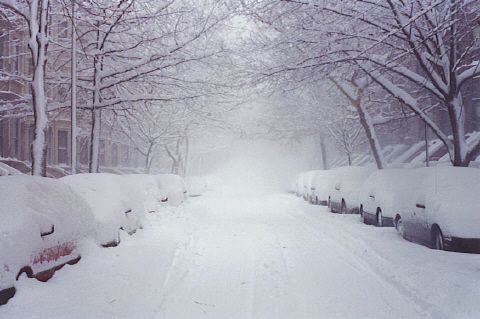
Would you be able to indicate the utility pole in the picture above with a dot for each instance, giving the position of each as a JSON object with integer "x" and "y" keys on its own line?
{"x": 73, "y": 127}
{"x": 427, "y": 153}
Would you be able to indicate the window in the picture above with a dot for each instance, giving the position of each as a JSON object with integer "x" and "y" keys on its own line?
{"x": 2, "y": 55}
{"x": 31, "y": 136}
{"x": 49, "y": 146}
{"x": 114, "y": 155}
{"x": 62, "y": 140}
{"x": 83, "y": 150}
{"x": 477, "y": 109}
{"x": 476, "y": 37}
{"x": 63, "y": 29}
{"x": 15, "y": 130}
{"x": 101, "y": 153}
{"x": 15, "y": 54}
{"x": 1, "y": 138}
{"x": 125, "y": 155}
{"x": 29, "y": 65}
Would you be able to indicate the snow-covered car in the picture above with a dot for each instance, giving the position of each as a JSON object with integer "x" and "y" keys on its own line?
{"x": 42, "y": 224}
{"x": 446, "y": 214}
{"x": 174, "y": 188}
{"x": 148, "y": 191}
{"x": 196, "y": 185}
{"x": 320, "y": 187}
{"x": 386, "y": 193}
{"x": 6, "y": 170}
{"x": 116, "y": 202}
{"x": 299, "y": 184}
{"x": 292, "y": 187}
{"x": 307, "y": 185}
{"x": 345, "y": 188}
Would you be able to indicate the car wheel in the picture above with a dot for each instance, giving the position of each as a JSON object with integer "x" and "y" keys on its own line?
{"x": 399, "y": 226}
{"x": 379, "y": 218}
{"x": 25, "y": 270}
{"x": 439, "y": 240}
{"x": 343, "y": 208}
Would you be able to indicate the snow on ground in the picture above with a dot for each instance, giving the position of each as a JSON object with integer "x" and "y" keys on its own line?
{"x": 243, "y": 255}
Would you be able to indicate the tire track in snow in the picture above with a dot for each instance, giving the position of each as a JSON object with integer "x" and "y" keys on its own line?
{"x": 170, "y": 284}
{"x": 384, "y": 277}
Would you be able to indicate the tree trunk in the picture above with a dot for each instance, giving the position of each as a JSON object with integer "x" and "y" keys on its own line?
{"x": 323, "y": 149}
{"x": 38, "y": 45}
{"x": 367, "y": 125}
{"x": 457, "y": 121}
{"x": 94, "y": 164}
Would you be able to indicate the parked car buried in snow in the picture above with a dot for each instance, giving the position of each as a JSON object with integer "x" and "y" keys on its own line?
{"x": 174, "y": 187}
{"x": 116, "y": 201}
{"x": 388, "y": 193}
{"x": 446, "y": 214}
{"x": 307, "y": 184}
{"x": 320, "y": 187}
{"x": 345, "y": 188}
{"x": 299, "y": 184}
{"x": 43, "y": 222}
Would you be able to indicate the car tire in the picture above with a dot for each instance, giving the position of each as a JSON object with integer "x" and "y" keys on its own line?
{"x": 439, "y": 240}
{"x": 343, "y": 207}
{"x": 399, "y": 226}
{"x": 379, "y": 218}
{"x": 362, "y": 217}
{"x": 25, "y": 270}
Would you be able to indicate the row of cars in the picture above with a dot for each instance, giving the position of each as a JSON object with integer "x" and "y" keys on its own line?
{"x": 435, "y": 206}
{"x": 44, "y": 221}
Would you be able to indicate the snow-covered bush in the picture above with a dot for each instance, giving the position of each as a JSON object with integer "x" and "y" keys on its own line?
{"x": 42, "y": 222}
{"x": 116, "y": 202}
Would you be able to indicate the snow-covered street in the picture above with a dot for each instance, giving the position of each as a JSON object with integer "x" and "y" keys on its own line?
{"x": 227, "y": 255}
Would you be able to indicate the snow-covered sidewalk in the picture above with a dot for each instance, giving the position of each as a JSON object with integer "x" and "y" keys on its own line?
{"x": 267, "y": 256}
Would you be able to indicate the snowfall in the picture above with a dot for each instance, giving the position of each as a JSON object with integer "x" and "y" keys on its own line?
{"x": 244, "y": 249}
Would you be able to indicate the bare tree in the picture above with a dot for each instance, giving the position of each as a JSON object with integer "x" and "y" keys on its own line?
{"x": 34, "y": 14}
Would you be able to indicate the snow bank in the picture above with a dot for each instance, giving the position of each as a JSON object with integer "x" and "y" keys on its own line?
{"x": 116, "y": 202}
{"x": 32, "y": 206}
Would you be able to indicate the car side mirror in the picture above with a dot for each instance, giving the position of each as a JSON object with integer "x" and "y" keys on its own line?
{"x": 46, "y": 233}
{"x": 164, "y": 200}
{"x": 371, "y": 196}
{"x": 128, "y": 212}
{"x": 420, "y": 206}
